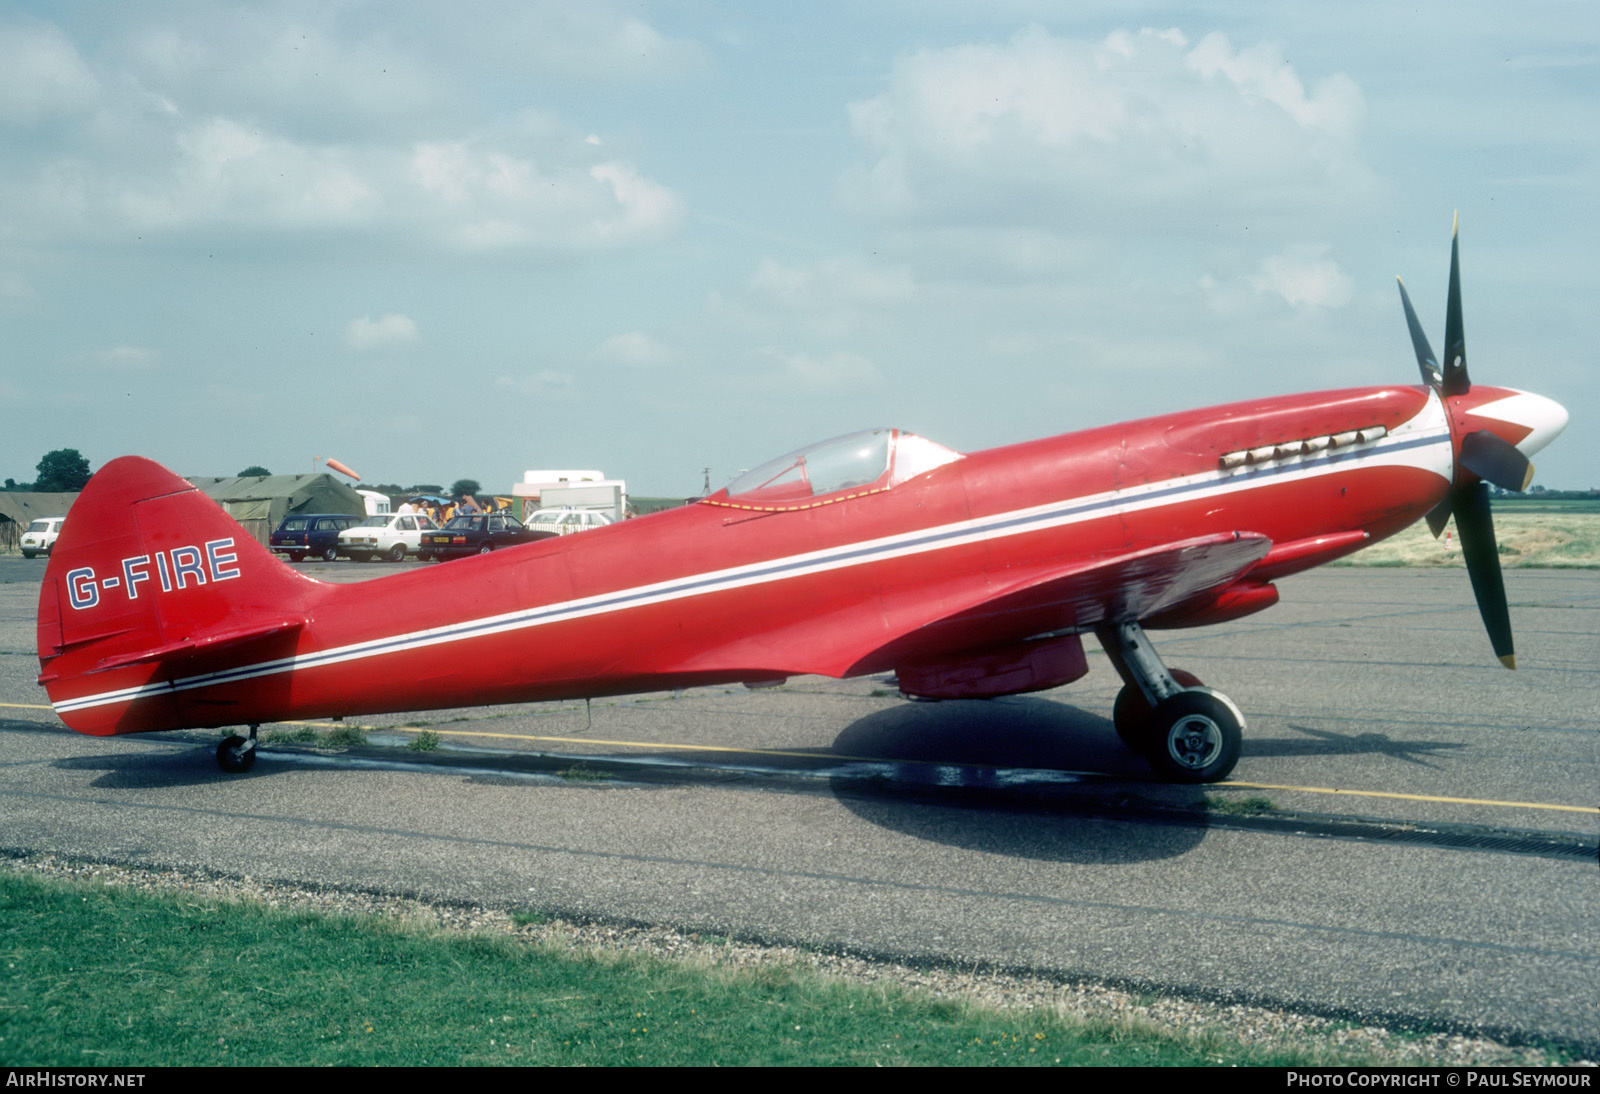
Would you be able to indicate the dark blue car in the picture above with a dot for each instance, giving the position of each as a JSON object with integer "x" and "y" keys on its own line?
{"x": 315, "y": 534}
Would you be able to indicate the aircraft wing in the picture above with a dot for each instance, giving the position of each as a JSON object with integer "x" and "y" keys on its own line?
{"x": 982, "y": 616}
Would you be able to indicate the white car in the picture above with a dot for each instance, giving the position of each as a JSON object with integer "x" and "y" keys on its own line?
{"x": 565, "y": 521}
{"x": 386, "y": 535}
{"x": 41, "y": 536}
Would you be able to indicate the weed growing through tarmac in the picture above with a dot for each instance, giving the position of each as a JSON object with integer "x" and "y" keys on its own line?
{"x": 1238, "y": 806}
{"x": 345, "y": 736}
{"x": 582, "y": 773}
{"x": 426, "y": 741}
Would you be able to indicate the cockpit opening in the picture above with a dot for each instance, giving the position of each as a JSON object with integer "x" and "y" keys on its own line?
{"x": 857, "y": 463}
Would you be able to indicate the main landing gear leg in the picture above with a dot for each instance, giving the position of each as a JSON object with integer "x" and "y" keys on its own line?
{"x": 236, "y": 755}
{"x": 1190, "y": 733}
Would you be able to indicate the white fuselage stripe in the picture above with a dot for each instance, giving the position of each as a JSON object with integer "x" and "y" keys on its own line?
{"x": 1423, "y": 442}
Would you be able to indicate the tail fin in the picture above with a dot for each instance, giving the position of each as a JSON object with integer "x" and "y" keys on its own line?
{"x": 151, "y": 581}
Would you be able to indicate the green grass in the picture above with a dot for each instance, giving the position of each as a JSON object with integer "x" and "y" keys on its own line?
{"x": 425, "y": 741}
{"x": 99, "y": 975}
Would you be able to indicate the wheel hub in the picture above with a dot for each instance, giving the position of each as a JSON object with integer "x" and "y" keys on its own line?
{"x": 1194, "y": 741}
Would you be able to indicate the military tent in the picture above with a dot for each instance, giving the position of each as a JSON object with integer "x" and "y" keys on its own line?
{"x": 20, "y": 508}
{"x": 261, "y": 502}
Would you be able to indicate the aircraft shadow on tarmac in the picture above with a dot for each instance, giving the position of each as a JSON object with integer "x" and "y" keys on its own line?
{"x": 1322, "y": 742}
{"x": 982, "y": 766}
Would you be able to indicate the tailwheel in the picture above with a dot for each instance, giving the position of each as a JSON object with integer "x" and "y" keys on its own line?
{"x": 1193, "y": 736}
{"x": 236, "y": 754}
{"x": 1131, "y": 714}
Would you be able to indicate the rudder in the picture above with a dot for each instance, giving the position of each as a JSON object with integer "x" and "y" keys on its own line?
{"x": 148, "y": 579}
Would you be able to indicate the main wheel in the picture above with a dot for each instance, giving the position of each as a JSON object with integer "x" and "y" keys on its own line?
{"x": 330, "y": 554}
{"x": 236, "y": 755}
{"x": 397, "y": 553}
{"x": 1131, "y": 715}
{"x": 1194, "y": 736}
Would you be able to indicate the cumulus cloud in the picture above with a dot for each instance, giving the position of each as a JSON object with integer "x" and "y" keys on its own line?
{"x": 1049, "y": 128}
{"x": 634, "y": 349}
{"x": 1305, "y": 278}
{"x": 41, "y": 75}
{"x": 832, "y": 283}
{"x": 244, "y": 125}
{"x": 540, "y": 383}
{"x": 389, "y": 332}
{"x": 816, "y": 374}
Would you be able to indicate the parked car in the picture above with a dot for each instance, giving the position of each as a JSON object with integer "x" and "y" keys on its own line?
{"x": 386, "y": 535}
{"x": 565, "y": 521}
{"x": 315, "y": 534}
{"x": 477, "y": 534}
{"x": 41, "y": 536}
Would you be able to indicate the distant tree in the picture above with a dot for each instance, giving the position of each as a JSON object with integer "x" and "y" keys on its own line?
{"x": 62, "y": 471}
{"x": 11, "y": 484}
{"x": 254, "y": 471}
{"x": 465, "y": 486}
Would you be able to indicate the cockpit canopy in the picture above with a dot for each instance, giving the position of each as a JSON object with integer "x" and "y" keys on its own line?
{"x": 857, "y": 463}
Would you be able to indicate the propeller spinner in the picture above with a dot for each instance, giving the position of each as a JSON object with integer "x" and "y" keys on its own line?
{"x": 1482, "y": 455}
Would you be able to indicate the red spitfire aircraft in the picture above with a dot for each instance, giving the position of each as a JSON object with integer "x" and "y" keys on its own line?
{"x": 968, "y": 576}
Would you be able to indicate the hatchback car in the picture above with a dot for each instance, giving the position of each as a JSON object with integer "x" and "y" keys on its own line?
{"x": 315, "y": 534}
{"x": 386, "y": 535}
{"x": 41, "y": 536}
{"x": 477, "y": 534}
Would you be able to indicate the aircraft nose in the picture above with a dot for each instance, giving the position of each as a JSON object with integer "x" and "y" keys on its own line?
{"x": 1539, "y": 419}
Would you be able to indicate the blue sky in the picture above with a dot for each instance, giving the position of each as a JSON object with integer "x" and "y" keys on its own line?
{"x": 463, "y": 241}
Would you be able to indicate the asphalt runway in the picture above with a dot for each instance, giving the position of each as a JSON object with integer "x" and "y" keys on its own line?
{"x": 1410, "y": 836}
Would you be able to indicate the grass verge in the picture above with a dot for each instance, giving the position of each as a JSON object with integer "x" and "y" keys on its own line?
{"x": 107, "y": 976}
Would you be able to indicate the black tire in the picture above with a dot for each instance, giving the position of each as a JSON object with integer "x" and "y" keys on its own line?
{"x": 236, "y": 755}
{"x": 29, "y": 554}
{"x": 1194, "y": 737}
{"x": 1131, "y": 715}
{"x": 486, "y": 549}
{"x": 297, "y": 556}
{"x": 424, "y": 556}
{"x": 397, "y": 553}
{"x": 330, "y": 554}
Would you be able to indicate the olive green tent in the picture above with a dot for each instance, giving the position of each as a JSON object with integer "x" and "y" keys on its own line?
{"x": 260, "y": 503}
{"x": 19, "y": 508}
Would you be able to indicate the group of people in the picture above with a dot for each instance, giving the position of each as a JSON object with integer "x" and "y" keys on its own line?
{"x": 439, "y": 514}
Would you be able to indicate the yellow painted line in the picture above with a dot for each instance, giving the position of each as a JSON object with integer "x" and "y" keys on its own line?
{"x": 28, "y": 706}
{"x": 1416, "y": 797}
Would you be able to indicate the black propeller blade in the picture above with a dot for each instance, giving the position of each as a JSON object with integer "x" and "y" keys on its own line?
{"x": 1426, "y": 361}
{"x": 1455, "y": 339}
{"x": 1484, "y": 454}
{"x": 1482, "y": 555}
{"x": 1496, "y": 460}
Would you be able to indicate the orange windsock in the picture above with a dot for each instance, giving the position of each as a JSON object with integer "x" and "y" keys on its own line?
{"x": 342, "y": 469}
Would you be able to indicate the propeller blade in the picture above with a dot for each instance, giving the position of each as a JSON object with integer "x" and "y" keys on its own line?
{"x": 1482, "y": 555}
{"x": 1496, "y": 460}
{"x": 1438, "y": 517}
{"x": 1455, "y": 341}
{"x": 1426, "y": 361}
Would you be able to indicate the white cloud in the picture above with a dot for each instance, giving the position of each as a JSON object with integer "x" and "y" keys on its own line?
{"x": 542, "y": 383}
{"x": 832, "y": 283}
{"x": 1304, "y": 278}
{"x": 481, "y": 197}
{"x": 1045, "y": 129}
{"x": 41, "y": 75}
{"x": 809, "y": 374}
{"x": 389, "y": 332}
{"x": 634, "y": 349}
